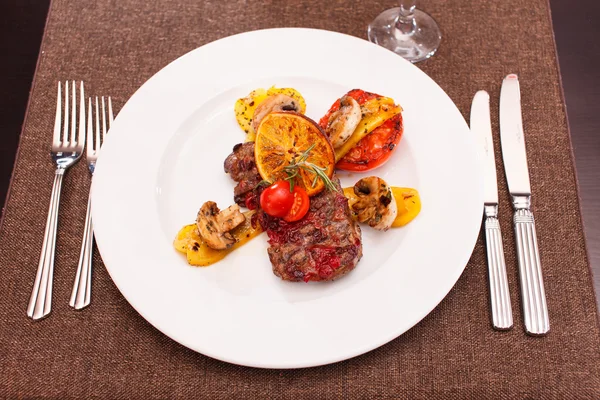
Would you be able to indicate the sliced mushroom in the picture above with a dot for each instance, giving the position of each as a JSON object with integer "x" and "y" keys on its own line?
{"x": 343, "y": 122}
{"x": 376, "y": 204}
{"x": 278, "y": 102}
{"x": 215, "y": 225}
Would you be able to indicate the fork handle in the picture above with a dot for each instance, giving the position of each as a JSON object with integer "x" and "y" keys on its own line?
{"x": 502, "y": 318}
{"x": 40, "y": 303}
{"x": 82, "y": 287}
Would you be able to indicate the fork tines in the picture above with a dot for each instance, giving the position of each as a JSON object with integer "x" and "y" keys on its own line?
{"x": 95, "y": 137}
{"x": 68, "y": 139}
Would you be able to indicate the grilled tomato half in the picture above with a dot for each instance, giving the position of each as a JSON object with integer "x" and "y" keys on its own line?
{"x": 375, "y": 137}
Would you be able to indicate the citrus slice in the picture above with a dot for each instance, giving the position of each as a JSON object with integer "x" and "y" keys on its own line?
{"x": 281, "y": 140}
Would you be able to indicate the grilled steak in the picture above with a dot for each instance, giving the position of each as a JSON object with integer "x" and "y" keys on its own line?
{"x": 322, "y": 246}
{"x": 240, "y": 165}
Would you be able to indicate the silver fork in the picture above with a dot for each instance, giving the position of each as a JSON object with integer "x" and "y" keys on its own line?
{"x": 82, "y": 288}
{"x": 65, "y": 151}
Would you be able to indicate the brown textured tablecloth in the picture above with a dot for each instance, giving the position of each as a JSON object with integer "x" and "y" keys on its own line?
{"x": 109, "y": 351}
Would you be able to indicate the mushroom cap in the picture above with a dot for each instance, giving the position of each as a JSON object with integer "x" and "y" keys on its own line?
{"x": 278, "y": 102}
{"x": 214, "y": 225}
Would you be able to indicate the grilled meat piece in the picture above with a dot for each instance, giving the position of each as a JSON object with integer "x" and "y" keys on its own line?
{"x": 322, "y": 246}
{"x": 242, "y": 168}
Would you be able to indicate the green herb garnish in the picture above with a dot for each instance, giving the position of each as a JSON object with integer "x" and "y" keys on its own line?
{"x": 296, "y": 165}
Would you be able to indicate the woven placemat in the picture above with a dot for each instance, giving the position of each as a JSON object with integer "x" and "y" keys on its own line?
{"x": 109, "y": 351}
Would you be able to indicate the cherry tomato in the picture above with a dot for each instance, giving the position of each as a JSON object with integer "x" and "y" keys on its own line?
{"x": 277, "y": 200}
{"x": 299, "y": 207}
{"x": 375, "y": 148}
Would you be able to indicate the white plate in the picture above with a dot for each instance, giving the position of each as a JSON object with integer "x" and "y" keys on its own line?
{"x": 164, "y": 158}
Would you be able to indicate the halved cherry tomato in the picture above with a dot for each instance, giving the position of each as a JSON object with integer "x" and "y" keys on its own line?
{"x": 299, "y": 207}
{"x": 277, "y": 200}
{"x": 374, "y": 149}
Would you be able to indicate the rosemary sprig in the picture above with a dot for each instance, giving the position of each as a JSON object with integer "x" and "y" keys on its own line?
{"x": 293, "y": 169}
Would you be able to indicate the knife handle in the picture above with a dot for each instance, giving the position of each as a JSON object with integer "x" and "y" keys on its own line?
{"x": 502, "y": 318}
{"x": 535, "y": 309}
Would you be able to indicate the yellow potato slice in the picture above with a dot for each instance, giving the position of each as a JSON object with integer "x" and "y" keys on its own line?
{"x": 410, "y": 208}
{"x": 244, "y": 109}
{"x": 186, "y": 237}
{"x": 189, "y": 242}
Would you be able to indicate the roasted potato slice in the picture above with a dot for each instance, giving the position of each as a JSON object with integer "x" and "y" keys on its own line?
{"x": 189, "y": 242}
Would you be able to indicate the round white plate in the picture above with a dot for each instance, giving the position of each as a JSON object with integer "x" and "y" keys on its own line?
{"x": 164, "y": 157}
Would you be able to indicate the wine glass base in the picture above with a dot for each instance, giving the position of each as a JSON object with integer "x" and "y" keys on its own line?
{"x": 418, "y": 45}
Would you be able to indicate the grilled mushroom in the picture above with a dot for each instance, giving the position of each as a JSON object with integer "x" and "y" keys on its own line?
{"x": 343, "y": 122}
{"x": 215, "y": 225}
{"x": 376, "y": 204}
{"x": 278, "y": 102}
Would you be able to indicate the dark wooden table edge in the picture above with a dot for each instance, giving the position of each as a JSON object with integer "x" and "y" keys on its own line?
{"x": 573, "y": 164}
{"x": 26, "y": 117}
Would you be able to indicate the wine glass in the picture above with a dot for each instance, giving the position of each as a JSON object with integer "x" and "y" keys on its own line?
{"x": 407, "y": 31}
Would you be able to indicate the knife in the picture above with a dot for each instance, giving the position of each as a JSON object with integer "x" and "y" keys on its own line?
{"x": 535, "y": 309}
{"x": 481, "y": 126}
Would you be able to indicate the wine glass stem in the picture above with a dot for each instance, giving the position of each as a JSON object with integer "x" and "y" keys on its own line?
{"x": 405, "y": 22}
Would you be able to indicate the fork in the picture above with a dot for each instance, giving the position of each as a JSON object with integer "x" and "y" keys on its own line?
{"x": 82, "y": 287}
{"x": 65, "y": 152}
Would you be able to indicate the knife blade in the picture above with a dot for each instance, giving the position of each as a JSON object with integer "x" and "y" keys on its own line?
{"x": 481, "y": 126}
{"x": 533, "y": 296}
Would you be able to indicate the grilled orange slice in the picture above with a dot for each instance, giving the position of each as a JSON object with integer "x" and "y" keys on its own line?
{"x": 282, "y": 138}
